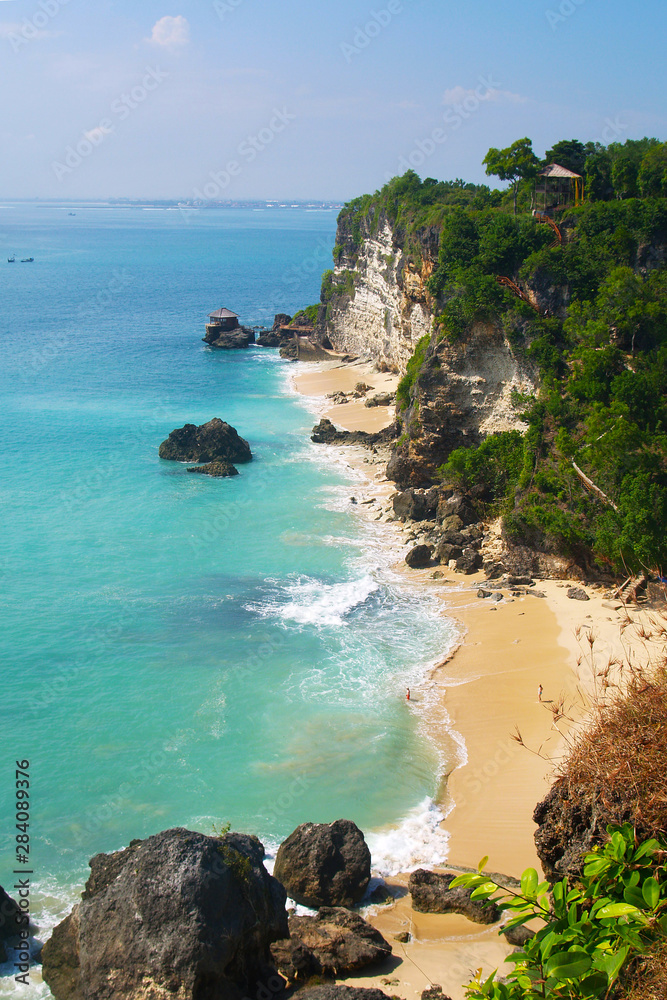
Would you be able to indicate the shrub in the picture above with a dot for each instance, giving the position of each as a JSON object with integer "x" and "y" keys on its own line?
{"x": 591, "y": 930}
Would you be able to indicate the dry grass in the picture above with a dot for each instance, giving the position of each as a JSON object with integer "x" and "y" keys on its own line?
{"x": 620, "y": 755}
{"x": 647, "y": 978}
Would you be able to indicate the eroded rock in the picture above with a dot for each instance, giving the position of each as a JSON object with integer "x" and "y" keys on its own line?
{"x": 215, "y": 441}
{"x": 431, "y": 893}
{"x": 324, "y": 864}
{"x": 335, "y": 942}
{"x": 178, "y": 915}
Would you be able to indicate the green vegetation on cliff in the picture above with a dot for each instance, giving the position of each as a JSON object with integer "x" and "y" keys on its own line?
{"x": 589, "y": 478}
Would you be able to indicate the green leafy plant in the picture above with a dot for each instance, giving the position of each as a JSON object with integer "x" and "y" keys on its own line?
{"x": 591, "y": 929}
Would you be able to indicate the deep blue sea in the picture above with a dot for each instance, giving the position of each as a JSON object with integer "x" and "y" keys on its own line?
{"x": 179, "y": 650}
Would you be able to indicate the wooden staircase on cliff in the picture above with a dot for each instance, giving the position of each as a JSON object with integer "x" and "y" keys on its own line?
{"x": 506, "y": 282}
{"x": 547, "y": 220}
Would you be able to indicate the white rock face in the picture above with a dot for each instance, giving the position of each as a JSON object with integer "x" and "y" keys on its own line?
{"x": 383, "y": 322}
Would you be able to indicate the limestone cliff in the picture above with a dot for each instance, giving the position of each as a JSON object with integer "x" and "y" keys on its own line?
{"x": 462, "y": 391}
{"x": 375, "y": 303}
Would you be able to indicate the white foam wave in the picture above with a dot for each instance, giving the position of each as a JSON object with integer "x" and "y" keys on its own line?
{"x": 327, "y": 604}
{"x": 417, "y": 842}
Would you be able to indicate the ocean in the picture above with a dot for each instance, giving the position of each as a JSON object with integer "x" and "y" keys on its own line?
{"x": 178, "y": 650}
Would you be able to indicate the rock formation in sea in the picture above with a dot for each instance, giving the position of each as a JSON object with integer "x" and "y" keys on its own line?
{"x": 229, "y": 340}
{"x": 179, "y": 915}
{"x": 215, "y": 441}
{"x": 324, "y": 864}
{"x": 218, "y": 470}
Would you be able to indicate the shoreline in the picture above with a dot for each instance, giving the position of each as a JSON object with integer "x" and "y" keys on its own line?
{"x": 487, "y": 689}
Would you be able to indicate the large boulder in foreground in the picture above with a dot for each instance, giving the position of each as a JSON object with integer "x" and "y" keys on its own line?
{"x": 335, "y": 942}
{"x": 179, "y": 915}
{"x": 324, "y": 864}
{"x": 14, "y": 925}
{"x": 215, "y": 441}
{"x": 431, "y": 893}
{"x": 336, "y": 991}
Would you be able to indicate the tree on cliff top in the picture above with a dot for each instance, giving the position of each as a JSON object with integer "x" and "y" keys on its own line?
{"x": 517, "y": 162}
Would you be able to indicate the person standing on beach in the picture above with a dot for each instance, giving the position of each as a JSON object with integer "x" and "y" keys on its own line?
{"x": 540, "y": 689}
{"x": 407, "y": 697}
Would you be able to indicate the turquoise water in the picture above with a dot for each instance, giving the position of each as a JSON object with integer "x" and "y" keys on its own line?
{"x": 178, "y": 650}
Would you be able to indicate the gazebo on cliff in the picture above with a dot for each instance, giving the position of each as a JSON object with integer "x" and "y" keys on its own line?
{"x": 223, "y": 319}
{"x": 557, "y": 187}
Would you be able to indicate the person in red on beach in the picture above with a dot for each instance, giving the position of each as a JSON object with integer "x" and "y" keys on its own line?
{"x": 407, "y": 697}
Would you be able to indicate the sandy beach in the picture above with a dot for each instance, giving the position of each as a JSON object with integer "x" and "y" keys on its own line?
{"x": 489, "y": 689}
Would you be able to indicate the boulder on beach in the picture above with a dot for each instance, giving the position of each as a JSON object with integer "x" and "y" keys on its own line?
{"x": 324, "y": 864}
{"x": 337, "y": 991}
{"x": 335, "y": 942}
{"x": 215, "y": 441}
{"x": 420, "y": 556}
{"x": 179, "y": 915}
{"x": 431, "y": 893}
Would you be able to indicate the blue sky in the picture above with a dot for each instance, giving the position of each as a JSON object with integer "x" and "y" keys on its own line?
{"x": 299, "y": 99}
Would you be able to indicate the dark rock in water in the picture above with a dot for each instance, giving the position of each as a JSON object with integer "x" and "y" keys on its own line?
{"x": 13, "y": 922}
{"x": 332, "y": 943}
{"x": 403, "y": 938}
{"x": 324, "y": 864}
{"x": 431, "y": 893}
{"x": 420, "y": 556}
{"x": 381, "y": 895}
{"x": 177, "y": 915}
{"x": 229, "y": 340}
{"x": 215, "y": 441}
{"x": 577, "y": 594}
{"x": 326, "y": 433}
{"x": 336, "y": 991}
{"x": 278, "y": 334}
{"x": 483, "y": 593}
{"x": 217, "y": 469}
{"x": 271, "y": 338}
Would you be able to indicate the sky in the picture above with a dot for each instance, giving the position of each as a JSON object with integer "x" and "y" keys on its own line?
{"x": 299, "y": 99}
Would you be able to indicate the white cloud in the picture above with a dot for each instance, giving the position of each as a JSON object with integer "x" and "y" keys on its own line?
{"x": 171, "y": 32}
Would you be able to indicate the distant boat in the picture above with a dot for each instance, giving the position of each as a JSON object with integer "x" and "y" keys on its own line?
{"x": 10, "y": 260}
{"x": 71, "y": 213}
{"x": 28, "y": 260}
